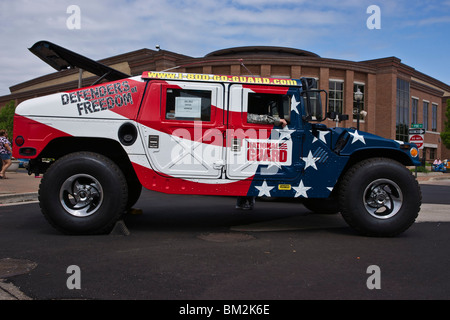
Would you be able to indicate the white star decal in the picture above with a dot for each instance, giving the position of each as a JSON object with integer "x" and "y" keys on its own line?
{"x": 357, "y": 136}
{"x": 285, "y": 133}
{"x": 264, "y": 190}
{"x": 301, "y": 190}
{"x": 294, "y": 104}
{"x": 310, "y": 161}
{"x": 322, "y": 135}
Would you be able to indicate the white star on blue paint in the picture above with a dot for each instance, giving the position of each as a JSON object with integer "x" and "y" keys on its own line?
{"x": 301, "y": 190}
{"x": 294, "y": 104}
{"x": 322, "y": 135}
{"x": 310, "y": 161}
{"x": 357, "y": 136}
{"x": 264, "y": 190}
{"x": 285, "y": 133}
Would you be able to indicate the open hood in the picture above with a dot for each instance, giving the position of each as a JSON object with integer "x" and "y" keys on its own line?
{"x": 61, "y": 58}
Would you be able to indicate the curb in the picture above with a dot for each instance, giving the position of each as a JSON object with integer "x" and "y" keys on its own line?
{"x": 19, "y": 197}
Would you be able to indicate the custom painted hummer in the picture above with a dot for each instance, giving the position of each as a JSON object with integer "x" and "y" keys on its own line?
{"x": 202, "y": 134}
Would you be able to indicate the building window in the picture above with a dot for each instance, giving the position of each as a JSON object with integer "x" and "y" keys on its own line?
{"x": 402, "y": 121}
{"x": 433, "y": 153}
{"x": 434, "y": 108}
{"x": 425, "y": 115}
{"x": 361, "y": 87}
{"x": 336, "y": 96}
{"x": 414, "y": 109}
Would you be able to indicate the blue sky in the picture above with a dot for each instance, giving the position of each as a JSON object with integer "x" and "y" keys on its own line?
{"x": 417, "y": 32}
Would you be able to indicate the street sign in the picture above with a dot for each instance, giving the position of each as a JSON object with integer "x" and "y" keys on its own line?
{"x": 417, "y": 139}
{"x": 412, "y": 131}
{"x": 416, "y": 134}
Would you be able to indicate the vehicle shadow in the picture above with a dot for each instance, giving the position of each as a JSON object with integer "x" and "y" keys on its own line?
{"x": 156, "y": 211}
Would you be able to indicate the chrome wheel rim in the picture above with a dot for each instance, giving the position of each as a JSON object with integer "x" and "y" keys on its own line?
{"x": 81, "y": 195}
{"x": 383, "y": 198}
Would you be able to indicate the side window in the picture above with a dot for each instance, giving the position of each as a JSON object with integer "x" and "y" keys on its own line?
{"x": 186, "y": 104}
{"x": 265, "y": 108}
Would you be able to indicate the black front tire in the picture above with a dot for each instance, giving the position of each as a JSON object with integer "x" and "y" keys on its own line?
{"x": 83, "y": 193}
{"x": 379, "y": 197}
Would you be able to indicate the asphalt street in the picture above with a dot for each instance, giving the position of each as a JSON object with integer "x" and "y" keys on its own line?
{"x": 200, "y": 248}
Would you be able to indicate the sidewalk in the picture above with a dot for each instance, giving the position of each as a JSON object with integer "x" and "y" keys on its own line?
{"x": 434, "y": 178}
{"x": 18, "y": 187}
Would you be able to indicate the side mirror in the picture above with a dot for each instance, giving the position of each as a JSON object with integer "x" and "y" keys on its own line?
{"x": 309, "y": 83}
{"x": 336, "y": 116}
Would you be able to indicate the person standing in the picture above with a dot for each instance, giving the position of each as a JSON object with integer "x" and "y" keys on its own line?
{"x": 5, "y": 152}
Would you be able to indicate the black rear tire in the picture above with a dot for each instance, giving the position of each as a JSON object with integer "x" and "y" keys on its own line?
{"x": 379, "y": 197}
{"x": 83, "y": 193}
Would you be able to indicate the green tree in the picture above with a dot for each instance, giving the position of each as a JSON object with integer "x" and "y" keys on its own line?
{"x": 7, "y": 118}
{"x": 445, "y": 134}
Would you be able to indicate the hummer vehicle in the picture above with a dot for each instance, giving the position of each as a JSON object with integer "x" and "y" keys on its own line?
{"x": 204, "y": 134}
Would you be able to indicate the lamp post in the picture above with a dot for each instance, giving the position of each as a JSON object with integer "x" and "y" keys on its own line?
{"x": 358, "y": 97}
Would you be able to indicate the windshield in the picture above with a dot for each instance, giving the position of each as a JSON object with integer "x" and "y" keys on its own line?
{"x": 313, "y": 103}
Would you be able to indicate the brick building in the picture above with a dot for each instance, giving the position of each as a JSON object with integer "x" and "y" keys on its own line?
{"x": 395, "y": 95}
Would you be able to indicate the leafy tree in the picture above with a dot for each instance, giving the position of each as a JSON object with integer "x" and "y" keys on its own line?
{"x": 7, "y": 117}
{"x": 445, "y": 134}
